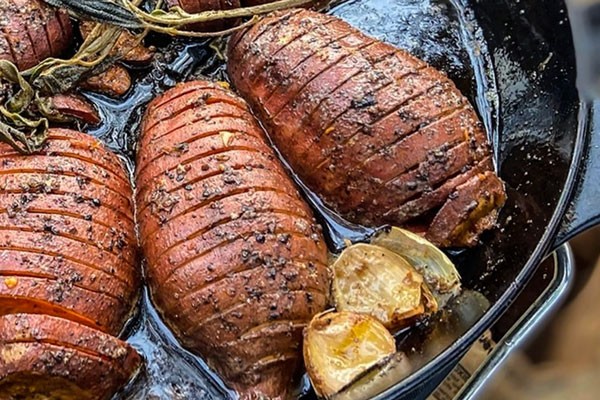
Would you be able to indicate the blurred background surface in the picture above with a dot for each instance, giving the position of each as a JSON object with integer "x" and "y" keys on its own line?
{"x": 563, "y": 360}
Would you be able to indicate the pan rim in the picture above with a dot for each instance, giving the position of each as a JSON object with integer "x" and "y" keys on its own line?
{"x": 452, "y": 354}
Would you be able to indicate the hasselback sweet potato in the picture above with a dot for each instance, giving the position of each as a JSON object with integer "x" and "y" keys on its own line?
{"x": 31, "y": 31}
{"x": 68, "y": 246}
{"x": 45, "y": 357}
{"x": 380, "y": 135}
{"x": 236, "y": 263}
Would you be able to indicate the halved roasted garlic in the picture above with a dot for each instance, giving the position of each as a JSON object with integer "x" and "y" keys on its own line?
{"x": 373, "y": 280}
{"x": 340, "y": 346}
{"x": 439, "y": 272}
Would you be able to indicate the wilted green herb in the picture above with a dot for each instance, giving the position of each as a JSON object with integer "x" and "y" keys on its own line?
{"x": 25, "y": 127}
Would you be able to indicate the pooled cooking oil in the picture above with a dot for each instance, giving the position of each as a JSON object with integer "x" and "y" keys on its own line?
{"x": 444, "y": 33}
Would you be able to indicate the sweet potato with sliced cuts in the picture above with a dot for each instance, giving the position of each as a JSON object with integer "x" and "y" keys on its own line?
{"x": 31, "y": 31}
{"x": 68, "y": 245}
{"x": 53, "y": 358}
{"x": 379, "y": 135}
{"x": 236, "y": 262}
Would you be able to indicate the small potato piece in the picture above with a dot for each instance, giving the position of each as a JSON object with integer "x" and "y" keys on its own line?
{"x": 43, "y": 357}
{"x": 72, "y": 106}
{"x": 339, "y": 346}
{"x": 115, "y": 81}
{"x": 314, "y": 3}
{"x": 67, "y": 245}
{"x": 32, "y": 31}
{"x": 373, "y": 280}
{"x": 137, "y": 54}
{"x": 382, "y": 137}
{"x": 237, "y": 264}
{"x": 198, "y": 6}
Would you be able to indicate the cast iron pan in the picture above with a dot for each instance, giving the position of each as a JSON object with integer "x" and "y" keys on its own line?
{"x": 515, "y": 61}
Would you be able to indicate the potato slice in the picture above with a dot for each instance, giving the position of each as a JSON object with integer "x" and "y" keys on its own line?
{"x": 373, "y": 280}
{"x": 340, "y": 346}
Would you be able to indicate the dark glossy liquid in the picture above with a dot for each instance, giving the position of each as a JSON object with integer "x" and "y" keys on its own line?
{"x": 442, "y": 32}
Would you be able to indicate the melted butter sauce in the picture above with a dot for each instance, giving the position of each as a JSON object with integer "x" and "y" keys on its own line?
{"x": 442, "y": 32}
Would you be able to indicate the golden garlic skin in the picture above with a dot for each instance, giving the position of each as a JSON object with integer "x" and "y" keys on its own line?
{"x": 437, "y": 269}
{"x": 373, "y": 280}
{"x": 339, "y": 346}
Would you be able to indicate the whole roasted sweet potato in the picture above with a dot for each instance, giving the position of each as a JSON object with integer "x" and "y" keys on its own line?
{"x": 68, "y": 246}
{"x": 32, "y": 31}
{"x": 236, "y": 263}
{"x": 380, "y": 135}
{"x": 44, "y": 357}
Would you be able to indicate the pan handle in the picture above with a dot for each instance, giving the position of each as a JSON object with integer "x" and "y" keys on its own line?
{"x": 583, "y": 211}
{"x": 528, "y": 324}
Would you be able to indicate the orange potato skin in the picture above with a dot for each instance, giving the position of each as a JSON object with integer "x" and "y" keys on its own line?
{"x": 138, "y": 53}
{"x": 115, "y": 81}
{"x": 68, "y": 241}
{"x": 197, "y": 6}
{"x": 371, "y": 129}
{"x": 46, "y": 352}
{"x": 32, "y": 31}
{"x": 236, "y": 263}
{"x": 73, "y": 107}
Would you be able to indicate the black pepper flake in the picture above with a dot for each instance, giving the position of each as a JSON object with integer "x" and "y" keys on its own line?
{"x": 245, "y": 254}
{"x": 254, "y": 293}
{"x": 274, "y": 316}
{"x": 309, "y": 297}
{"x": 363, "y": 102}
{"x": 82, "y": 181}
{"x": 290, "y": 276}
{"x": 284, "y": 238}
{"x": 120, "y": 243}
{"x": 50, "y": 229}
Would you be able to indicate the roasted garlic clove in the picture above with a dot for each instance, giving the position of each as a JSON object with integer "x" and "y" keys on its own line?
{"x": 439, "y": 272}
{"x": 373, "y": 280}
{"x": 340, "y": 346}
